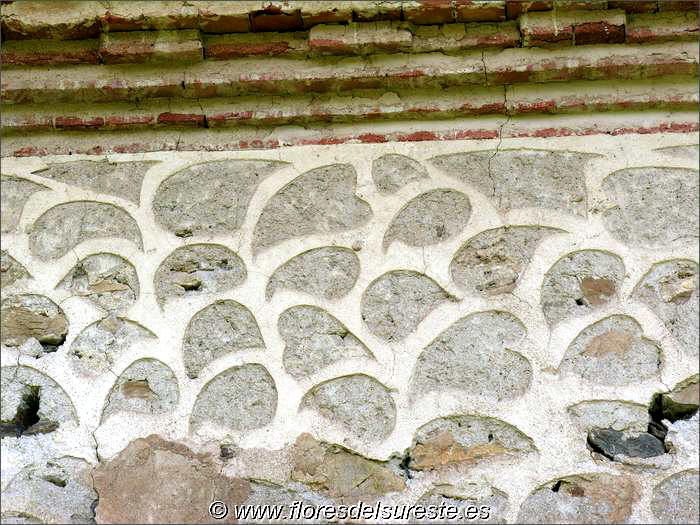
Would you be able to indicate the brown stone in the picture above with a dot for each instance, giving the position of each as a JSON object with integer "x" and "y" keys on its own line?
{"x": 340, "y": 473}
{"x": 688, "y": 393}
{"x": 597, "y": 291}
{"x": 19, "y": 324}
{"x": 138, "y": 389}
{"x": 444, "y": 450}
{"x": 609, "y": 343}
{"x": 158, "y": 481}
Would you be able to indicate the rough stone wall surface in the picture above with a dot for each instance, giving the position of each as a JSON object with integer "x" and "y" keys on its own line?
{"x": 504, "y": 322}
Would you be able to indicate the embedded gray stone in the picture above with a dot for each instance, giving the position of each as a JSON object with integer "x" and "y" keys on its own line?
{"x": 55, "y": 491}
{"x": 147, "y": 386}
{"x": 617, "y": 445}
{"x": 240, "y": 398}
{"x": 358, "y": 404}
{"x": 99, "y": 345}
{"x": 33, "y": 323}
{"x": 473, "y": 500}
{"x": 11, "y": 271}
{"x": 652, "y": 207}
{"x": 64, "y": 226}
{"x": 612, "y": 351}
{"x": 32, "y": 403}
{"x": 329, "y": 272}
{"x": 474, "y": 355}
{"x": 391, "y": 172}
{"x": 430, "y": 218}
{"x": 492, "y": 261}
{"x": 675, "y": 499}
{"x": 689, "y": 152}
{"x": 579, "y": 283}
{"x": 216, "y": 330}
{"x": 14, "y": 193}
{"x": 670, "y": 290}
{"x": 523, "y": 178}
{"x": 314, "y": 340}
{"x": 107, "y": 280}
{"x": 623, "y": 416}
{"x": 322, "y": 200}
{"x": 584, "y": 498}
{"x": 394, "y": 304}
{"x": 210, "y": 198}
{"x": 466, "y": 439}
{"x": 121, "y": 179}
{"x": 198, "y": 269}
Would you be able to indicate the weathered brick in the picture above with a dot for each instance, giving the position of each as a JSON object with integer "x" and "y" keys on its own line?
{"x": 455, "y": 37}
{"x": 572, "y": 27}
{"x": 480, "y": 11}
{"x": 362, "y": 38}
{"x": 78, "y": 122}
{"x": 634, "y": 6}
{"x": 543, "y": 30}
{"x": 575, "y": 5}
{"x": 225, "y": 17}
{"x": 375, "y": 10}
{"x": 184, "y": 45}
{"x": 207, "y": 79}
{"x": 43, "y": 52}
{"x": 515, "y": 8}
{"x": 276, "y": 16}
{"x": 314, "y": 13}
{"x": 224, "y": 47}
{"x": 428, "y": 11}
{"x": 148, "y": 16}
{"x": 599, "y": 27}
{"x": 678, "y": 5}
{"x": 662, "y": 27}
{"x": 54, "y": 20}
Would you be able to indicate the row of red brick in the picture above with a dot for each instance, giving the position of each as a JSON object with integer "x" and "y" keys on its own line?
{"x": 286, "y": 76}
{"x": 672, "y": 94}
{"x": 539, "y": 29}
{"x": 68, "y": 20}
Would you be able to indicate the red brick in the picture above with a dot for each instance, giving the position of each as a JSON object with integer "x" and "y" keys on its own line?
{"x": 480, "y": 10}
{"x": 44, "y": 52}
{"x": 225, "y": 17}
{"x": 275, "y": 17}
{"x": 182, "y": 119}
{"x": 362, "y": 38}
{"x": 151, "y": 46}
{"x": 634, "y": 6}
{"x": 224, "y": 47}
{"x": 148, "y": 16}
{"x": 598, "y": 33}
{"x": 428, "y": 11}
{"x": 78, "y": 122}
{"x": 514, "y": 8}
{"x": 662, "y": 27}
{"x": 540, "y": 30}
{"x": 572, "y": 27}
{"x": 678, "y": 5}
